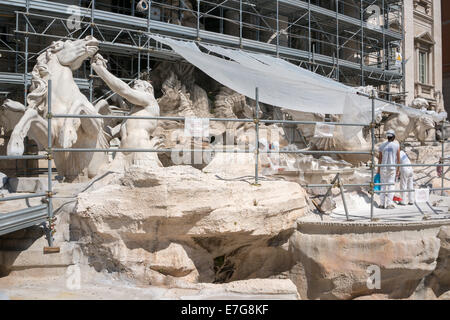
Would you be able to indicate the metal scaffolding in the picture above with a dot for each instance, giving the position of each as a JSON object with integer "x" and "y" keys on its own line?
{"x": 356, "y": 42}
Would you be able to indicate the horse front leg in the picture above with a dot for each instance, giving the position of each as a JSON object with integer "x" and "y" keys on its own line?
{"x": 91, "y": 126}
{"x": 39, "y": 129}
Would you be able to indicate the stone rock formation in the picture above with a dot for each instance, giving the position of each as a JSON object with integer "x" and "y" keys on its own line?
{"x": 179, "y": 223}
{"x": 439, "y": 280}
{"x": 340, "y": 140}
{"x": 332, "y": 261}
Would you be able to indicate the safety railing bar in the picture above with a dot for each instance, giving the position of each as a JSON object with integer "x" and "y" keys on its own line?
{"x": 411, "y": 190}
{"x": 315, "y": 122}
{"x": 146, "y": 150}
{"x": 200, "y": 150}
{"x": 348, "y": 185}
{"x": 25, "y": 157}
{"x": 316, "y": 152}
{"x": 410, "y": 141}
{"x": 26, "y": 196}
{"x": 100, "y": 116}
{"x": 413, "y": 165}
{"x": 11, "y": 214}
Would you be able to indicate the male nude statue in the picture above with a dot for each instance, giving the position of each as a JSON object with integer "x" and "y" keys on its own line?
{"x": 135, "y": 133}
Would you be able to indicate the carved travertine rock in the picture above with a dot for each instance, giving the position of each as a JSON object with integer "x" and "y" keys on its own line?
{"x": 333, "y": 264}
{"x": 340, "y": 141}
{"x": 164, "y": 221}
{"x": 440, "y": 279}
{"x": 230, "y": 104}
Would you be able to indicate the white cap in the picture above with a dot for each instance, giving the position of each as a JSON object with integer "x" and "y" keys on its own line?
{"x": 390, "y": 133}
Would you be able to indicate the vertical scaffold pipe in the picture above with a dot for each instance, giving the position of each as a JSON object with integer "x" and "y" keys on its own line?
{"x": 198, "y": 20}
{"x": 91, "y": 74}
{"x": 49, "y": 164}
{"x": 372, "y": 167}
{"x": 278, "y": 30}
{"x": 240, "y": 23}
{"x": 443, "y": 156}
{"x": 148, "y": 39}
{"x": 257, "y": 134}
{"x": 139, "y": 57}
{"x": 25, "y": 89}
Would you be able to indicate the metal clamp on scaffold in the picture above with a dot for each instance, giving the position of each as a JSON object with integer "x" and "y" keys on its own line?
{"x": 336, "y": 184}
{"x": 371, "y": 188}
{"x": 51, "y": 225}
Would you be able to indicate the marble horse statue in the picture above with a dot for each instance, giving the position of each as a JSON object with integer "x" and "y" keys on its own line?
{"x": 58, "y": 63}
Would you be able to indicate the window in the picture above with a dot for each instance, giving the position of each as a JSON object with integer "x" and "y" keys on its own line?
{"x": 423, "y": 67}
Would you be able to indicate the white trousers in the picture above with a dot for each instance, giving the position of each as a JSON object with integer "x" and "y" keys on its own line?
{"x": 407, "y": 183}
{"x": 387, "y": 176}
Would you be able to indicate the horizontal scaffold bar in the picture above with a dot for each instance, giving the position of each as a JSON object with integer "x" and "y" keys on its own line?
{"x": 412, "y": 190}
{"x": 412, "y": 165}
{"x": 203, "y": 150}
{"x": 348, "y": 185}
{"x": 99, "y": 116}
{"x": 23, "y": 218}
{"x": 25, "y": 196}
{"x": 25, "y": 157}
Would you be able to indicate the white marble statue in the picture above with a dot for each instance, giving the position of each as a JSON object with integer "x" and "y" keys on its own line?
{"x": 405, "y": 125}
{"x": 360, "y": 141}
{"x": 58, "y": 63}
{"x": 420, "y": 103}
{"x": 134, "y": 133}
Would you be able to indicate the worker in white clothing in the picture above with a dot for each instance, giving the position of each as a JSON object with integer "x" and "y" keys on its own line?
{"x": 389, "y": 153}
{"x": 406, "y": 179}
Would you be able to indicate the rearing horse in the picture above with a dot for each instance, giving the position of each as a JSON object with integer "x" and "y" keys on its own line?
{"x": 57, "y": 63}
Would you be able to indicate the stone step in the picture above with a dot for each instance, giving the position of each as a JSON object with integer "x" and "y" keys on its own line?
{"x": 27, "y": 184}
{"x": 34, "y": 263}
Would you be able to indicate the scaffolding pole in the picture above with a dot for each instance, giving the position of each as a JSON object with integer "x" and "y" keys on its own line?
{"x": 51, "y": 222}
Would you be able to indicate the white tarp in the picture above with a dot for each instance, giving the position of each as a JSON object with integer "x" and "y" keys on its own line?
{"x": 289, "y": 87}
{"x": 284, "y": 84}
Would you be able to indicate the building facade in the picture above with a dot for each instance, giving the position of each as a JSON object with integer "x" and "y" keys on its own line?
{"x": 446, "y": 53}
{"x": 423, "y": 52}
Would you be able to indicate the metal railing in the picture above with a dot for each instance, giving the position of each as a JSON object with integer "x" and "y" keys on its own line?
{"x": 26, "y": 220}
